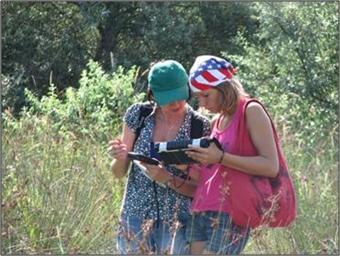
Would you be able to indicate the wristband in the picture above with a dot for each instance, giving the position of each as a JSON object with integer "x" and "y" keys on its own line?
{"x": 221, "y": 158}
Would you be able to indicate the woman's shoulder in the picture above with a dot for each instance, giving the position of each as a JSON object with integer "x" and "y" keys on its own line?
{"x": 256, "y": 113}
{"x": 134, "y": 107}
{"x": 255, "y": 107}
{"x": 132, "y": 115}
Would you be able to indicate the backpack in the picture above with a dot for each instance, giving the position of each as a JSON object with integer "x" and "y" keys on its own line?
{"x": 258, "y": 200}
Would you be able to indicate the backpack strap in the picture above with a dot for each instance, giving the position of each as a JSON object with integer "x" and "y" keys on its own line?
{"x": 145, "y": 111}
{"x": 196, "y": 126}
{"x": 276, "y": 136}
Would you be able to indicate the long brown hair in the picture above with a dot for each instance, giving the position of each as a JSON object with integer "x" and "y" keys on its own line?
{"x": 231, "y": 92}
{"x": 149, "y": 96}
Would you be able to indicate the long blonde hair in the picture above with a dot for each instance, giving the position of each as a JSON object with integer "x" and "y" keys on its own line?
{"x": 231, "y": 92}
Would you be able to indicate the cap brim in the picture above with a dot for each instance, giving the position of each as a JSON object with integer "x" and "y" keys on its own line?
{"x": 167, "y": 97}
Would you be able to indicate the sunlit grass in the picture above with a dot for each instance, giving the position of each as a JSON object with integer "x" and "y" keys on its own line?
{"x": 315, "y": 231}
{"x": 59, "y": 195}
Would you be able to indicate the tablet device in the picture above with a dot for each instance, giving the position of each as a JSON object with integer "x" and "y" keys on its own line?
{"x": 173, "y": 152}
{"x": 143, "y": 158}
{"x": 144, "y": 171}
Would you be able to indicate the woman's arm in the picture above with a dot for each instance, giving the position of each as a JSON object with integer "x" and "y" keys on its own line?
{"x": 118, "y": 149}
{"x": 266, "y": 163}
{"x": 182, "y": 186}
{"x": 261, "y": 133}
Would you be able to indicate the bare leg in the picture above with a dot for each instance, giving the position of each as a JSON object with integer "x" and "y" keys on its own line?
{"x": 197, "y": 247}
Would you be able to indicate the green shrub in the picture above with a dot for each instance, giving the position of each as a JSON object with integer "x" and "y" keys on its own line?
{"x": 293, "y": 66}
{"x": 95, "y": 109}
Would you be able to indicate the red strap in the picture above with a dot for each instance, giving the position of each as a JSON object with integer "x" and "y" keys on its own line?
{"x": 276, "y": 137}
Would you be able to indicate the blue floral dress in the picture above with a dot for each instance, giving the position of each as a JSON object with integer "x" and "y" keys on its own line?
{"x": 143, "y": 199}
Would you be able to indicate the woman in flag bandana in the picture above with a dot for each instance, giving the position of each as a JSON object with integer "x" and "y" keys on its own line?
{"x": 212, "y": 229}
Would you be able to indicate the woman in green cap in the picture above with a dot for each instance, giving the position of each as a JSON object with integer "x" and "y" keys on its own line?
{"x": 154, "y": 214}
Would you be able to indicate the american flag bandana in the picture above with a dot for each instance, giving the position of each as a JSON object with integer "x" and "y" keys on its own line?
{"x": 209, "y": 71}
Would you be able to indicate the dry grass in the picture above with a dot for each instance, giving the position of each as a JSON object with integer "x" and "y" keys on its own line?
{"x": 59, "y": 196}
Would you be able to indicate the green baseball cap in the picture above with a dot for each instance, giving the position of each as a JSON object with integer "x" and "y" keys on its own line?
{"x": 168, "y": 82}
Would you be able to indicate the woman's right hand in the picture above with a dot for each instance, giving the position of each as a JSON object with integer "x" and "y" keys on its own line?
{"x": 182, "y": 167}
{"x": 117, "y": 149}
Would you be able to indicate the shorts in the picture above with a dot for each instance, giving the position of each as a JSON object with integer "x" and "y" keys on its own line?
{"x": 221, "y": 236}
{"x": 136, "y": 236}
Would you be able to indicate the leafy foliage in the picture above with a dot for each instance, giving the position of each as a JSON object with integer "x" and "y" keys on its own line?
{"x": 43, "y": 43}
{"x": 94, "y": 109}
{"x": 178, "y": 31}
{"x": 51, "y": 42}
{"x": 295, "y": 67}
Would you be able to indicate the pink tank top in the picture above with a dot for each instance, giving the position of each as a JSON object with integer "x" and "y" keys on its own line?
{"x": 213, "y": 187}
{"x": 250, "y": 200}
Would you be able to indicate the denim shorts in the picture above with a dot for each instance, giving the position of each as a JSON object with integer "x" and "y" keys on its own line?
{"x": 136, "y": 236}
{"x": 221, "y": 236}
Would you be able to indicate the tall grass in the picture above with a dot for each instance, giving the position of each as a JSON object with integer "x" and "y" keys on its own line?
{"x": 58, "y": 193}
{"x": 59, "y": 196}
{"x": 314, "y": 172}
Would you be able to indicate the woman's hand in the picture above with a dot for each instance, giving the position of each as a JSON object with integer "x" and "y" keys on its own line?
{"x": 209, "y": 155}
{"x": 157, "y": 172}
{"x": 182, "y": 167}
{"x": 117, "y": 149}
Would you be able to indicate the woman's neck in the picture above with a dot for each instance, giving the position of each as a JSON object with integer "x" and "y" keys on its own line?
{"x": 170, "y": 118}
{"x": 167, "y": 126}
{"x": 224, "y": 120}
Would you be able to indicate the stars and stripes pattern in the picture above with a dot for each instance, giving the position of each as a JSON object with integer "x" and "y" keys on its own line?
{"x": 209, "y": 71}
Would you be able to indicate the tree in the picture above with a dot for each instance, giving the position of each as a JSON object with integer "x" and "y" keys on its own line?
{"x": 54, "y": 41}
{"x": 43, "y": 43}
{"x": 294, "y": 67}
{"x": 141, "y": 33}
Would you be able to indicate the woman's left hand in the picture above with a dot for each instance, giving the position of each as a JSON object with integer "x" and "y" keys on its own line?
{"x": 209, "y": 155}
{"x": 157, "y": 172}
